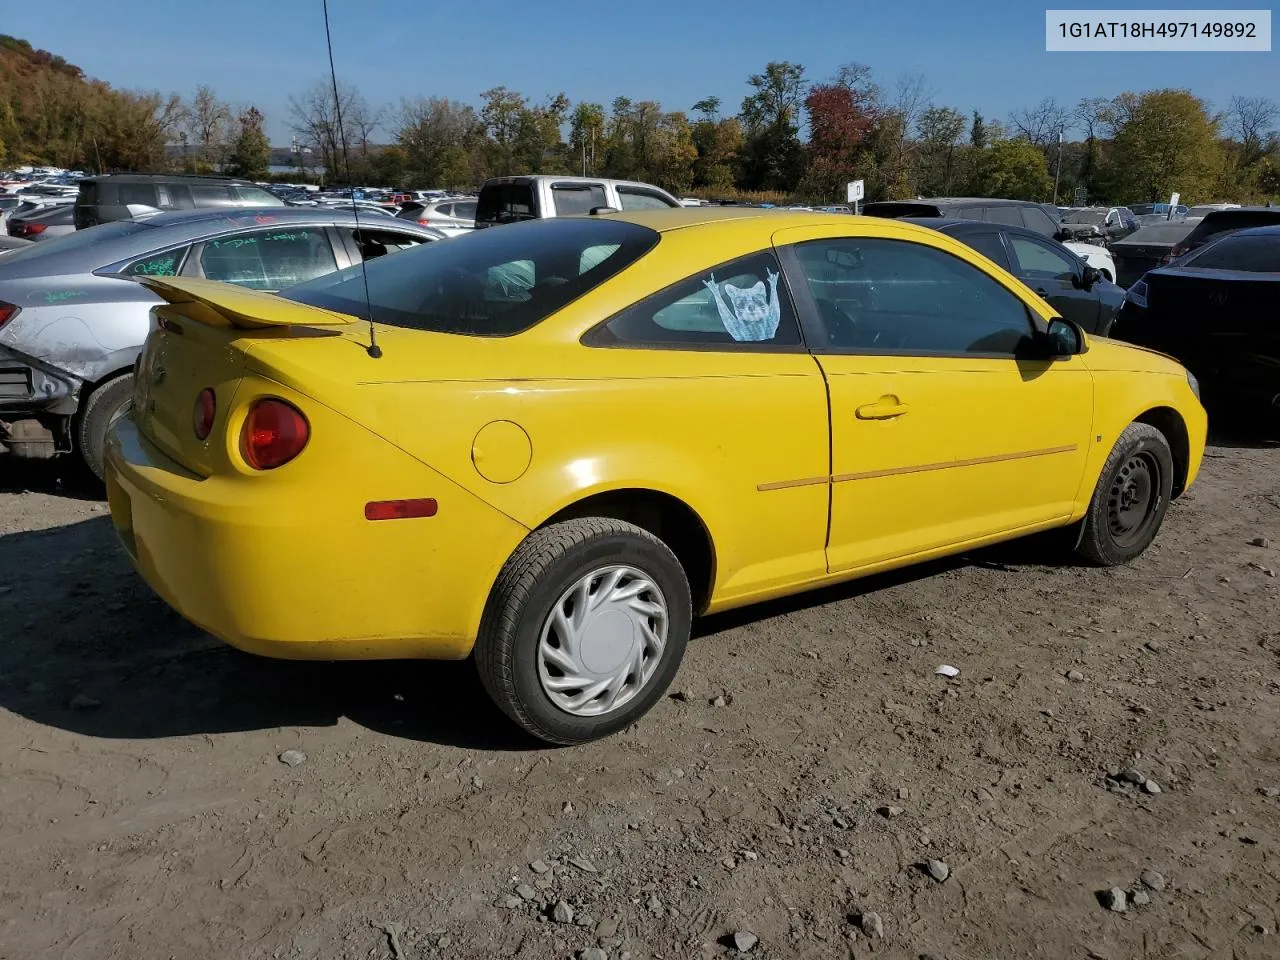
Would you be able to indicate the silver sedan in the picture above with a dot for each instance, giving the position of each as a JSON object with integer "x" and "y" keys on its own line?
{"x": 72, "y": 322}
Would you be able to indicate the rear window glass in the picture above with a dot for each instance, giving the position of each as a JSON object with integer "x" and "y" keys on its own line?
{"x": 496, "y": 283}
{"x": 1217, "y": 223}
{"x": 1252, "y": 254}
{"x": 505, "y": 203}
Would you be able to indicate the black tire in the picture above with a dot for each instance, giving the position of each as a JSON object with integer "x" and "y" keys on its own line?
{"x": 1131, "y": 498}
{"x": 543, "y": 567}
{"x": 96, "y": 416}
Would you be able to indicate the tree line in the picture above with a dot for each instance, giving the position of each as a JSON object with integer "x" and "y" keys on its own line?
{"x": 791, "y": 137}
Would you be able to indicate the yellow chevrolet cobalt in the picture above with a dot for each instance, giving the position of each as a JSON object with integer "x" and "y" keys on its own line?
{"x": 549, "y": 445}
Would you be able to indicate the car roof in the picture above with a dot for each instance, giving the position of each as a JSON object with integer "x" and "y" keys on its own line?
{"x": 1271, "y": 230}
{"x": 162, "y": 177}
{"x": 163, "y": 230}
{"x": 530, "y": 178}
{"x": 955, "y": 225}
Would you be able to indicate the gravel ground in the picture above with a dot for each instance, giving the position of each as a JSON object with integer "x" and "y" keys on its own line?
{"x": 1101, "y": 780}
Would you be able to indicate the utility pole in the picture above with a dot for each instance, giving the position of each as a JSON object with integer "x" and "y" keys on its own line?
{"x": 1058, "y": 170}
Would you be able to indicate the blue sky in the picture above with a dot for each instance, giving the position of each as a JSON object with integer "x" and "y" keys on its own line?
{"x": 984, "y": 55}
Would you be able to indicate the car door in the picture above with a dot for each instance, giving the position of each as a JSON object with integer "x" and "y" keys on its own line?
{"x": 1055, "y": 273}
{"x": 725, "y": 366}
{"x": 948, "y": 423}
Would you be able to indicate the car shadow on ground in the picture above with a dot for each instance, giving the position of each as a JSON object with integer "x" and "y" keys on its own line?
{"x": 61, "y": 477}
{"x": 86, "y": 647}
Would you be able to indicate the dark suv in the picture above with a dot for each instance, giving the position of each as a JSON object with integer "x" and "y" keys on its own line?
{"x": 123, "y": 196}
{"x": 1013, "y": 213}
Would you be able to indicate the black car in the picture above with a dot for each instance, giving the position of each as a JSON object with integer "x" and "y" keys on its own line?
{"x": 1073, "y": 288}
{"x": 1223, "y": 221}
{"x": 1147, "y": 248}
{"x": 123, "y": 196}
{"x": 1214, "y": 310}
{"x": 1039, "y": 217}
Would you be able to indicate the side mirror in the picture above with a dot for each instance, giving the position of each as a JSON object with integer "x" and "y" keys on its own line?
{"x": 1088, "y": 278}
{"x": 1064, "y": 339}
{"x": 1063, "y": 234}
{"x": 597, "y": 211}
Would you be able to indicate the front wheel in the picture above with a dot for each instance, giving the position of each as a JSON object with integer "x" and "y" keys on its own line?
{"x": 584, "y": 629}
{"x": 102, "y": 407}
{"x": 1131, "y": 498}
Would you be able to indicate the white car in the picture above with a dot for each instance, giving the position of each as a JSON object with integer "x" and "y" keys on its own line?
{"x": 1095, "y": 256}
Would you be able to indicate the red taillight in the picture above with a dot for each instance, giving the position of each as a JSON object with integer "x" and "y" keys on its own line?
{"x": 274, "y": 433}
{"x": 7, "y": 312}
{"x": 206, "y": 407}
{"x": 399, "y": 509}
{"x": 424, "y": 222}
{"x": 27, "y": 229}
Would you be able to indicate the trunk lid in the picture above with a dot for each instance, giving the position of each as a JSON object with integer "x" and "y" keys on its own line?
{"x": 201, "y": 338}
{"x": 1212, "y": 320}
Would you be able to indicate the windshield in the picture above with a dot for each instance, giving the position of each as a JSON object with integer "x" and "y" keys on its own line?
{"x": 493, "y": 283}
{"x": 87, "y": 237}
{"x": 1085, "y": 216}
{"x": 1250, "y": 253}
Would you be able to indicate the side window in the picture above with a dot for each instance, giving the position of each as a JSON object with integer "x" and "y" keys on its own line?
{"x": 378, "y": 243}
{"x": 1036, "y": 219}
{"x": 141, "y": 193}
{"x": 1040, "y": 261}
{"x": 211, "y": 196}
{"x": 989, "y": 245}
{"x": 576, "y": 198}
{"x": 1004, "y": 213}
{"x": 465, "y": 210}
{"x": 167, "y": 263}
{"x": 906, "y": 298}
{"x": 740, "y": 304}
{"x": 968, "y": 213}
{"x": 268, "y": 259}
{"x": 633, "y": 198}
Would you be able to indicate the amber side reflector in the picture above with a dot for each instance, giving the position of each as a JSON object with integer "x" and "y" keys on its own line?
{"x": 399, "y": 509}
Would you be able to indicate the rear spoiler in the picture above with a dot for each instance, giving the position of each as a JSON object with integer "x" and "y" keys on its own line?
{"x": 224, "y": 304}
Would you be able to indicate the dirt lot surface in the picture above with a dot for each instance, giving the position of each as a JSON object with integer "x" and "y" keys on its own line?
{"x": 145, "y": 811}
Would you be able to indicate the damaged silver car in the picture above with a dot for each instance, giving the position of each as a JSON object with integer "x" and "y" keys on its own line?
{"x": 72, "y": 322}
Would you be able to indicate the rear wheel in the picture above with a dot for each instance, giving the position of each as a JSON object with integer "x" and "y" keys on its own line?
{"x": 584, "y": 630}
{"x": 103, "y": 405}
{"x": 1131, "y": 498}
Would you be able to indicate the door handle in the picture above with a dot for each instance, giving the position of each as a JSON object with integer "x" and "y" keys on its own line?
{"x": 1042, "y": 291}
{"x": 886, "y": 408}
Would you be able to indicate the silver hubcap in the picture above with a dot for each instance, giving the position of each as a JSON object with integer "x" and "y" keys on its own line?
{"x": 602, "y": 641}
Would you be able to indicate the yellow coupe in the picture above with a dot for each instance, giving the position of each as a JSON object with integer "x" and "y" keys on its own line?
{"x": 573, "y": 435}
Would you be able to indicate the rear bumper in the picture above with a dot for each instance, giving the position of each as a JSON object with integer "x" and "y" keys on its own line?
{"x": 304, "y": 577}
{"x": 27, "y": 388}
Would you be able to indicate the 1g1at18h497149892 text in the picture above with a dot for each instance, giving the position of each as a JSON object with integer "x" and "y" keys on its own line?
{"x": 1204, "y": 31}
